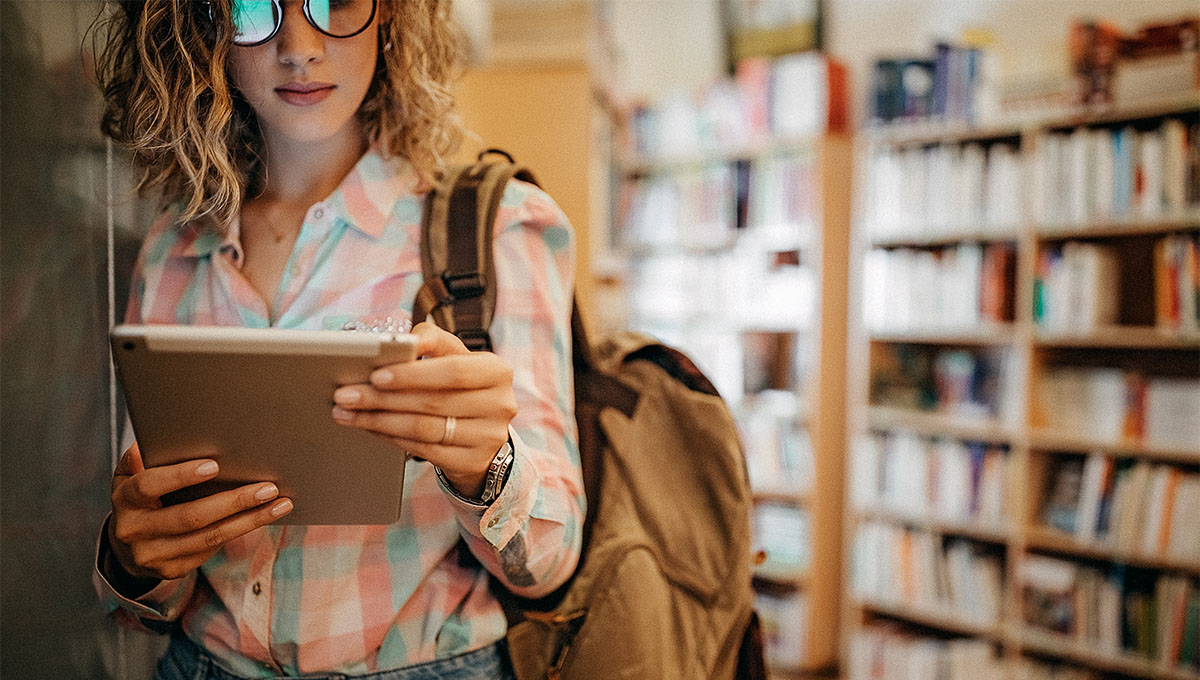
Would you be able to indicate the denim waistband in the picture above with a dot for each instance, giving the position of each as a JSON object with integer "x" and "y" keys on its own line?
{"x": 184, "y": 660}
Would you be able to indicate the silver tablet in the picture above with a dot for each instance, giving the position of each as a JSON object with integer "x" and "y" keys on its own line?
{"x": 258, "y": 401}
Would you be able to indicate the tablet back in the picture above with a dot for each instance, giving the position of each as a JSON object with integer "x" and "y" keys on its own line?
{"x": 258, "y": 401}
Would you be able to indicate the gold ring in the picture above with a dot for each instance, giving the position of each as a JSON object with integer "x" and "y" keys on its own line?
{"x": 448, "y": 433}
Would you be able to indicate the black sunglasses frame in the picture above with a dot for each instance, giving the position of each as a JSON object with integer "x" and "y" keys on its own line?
{"x": 307, "y": 17}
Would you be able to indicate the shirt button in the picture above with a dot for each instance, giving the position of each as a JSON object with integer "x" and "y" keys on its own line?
{"x": 295, "y": 270}
{"x": 319, "y": 213}
{"x": 492, "y": 522}
{"x": 256, "y": 588}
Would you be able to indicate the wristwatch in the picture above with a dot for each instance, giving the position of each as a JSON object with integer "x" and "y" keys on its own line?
{"x": 493, "y": 483}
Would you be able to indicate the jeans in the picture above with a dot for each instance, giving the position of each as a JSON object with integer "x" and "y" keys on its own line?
{"x": 185, "y": 661}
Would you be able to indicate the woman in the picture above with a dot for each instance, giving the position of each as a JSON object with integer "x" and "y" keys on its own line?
{"x": 292, "y": 141}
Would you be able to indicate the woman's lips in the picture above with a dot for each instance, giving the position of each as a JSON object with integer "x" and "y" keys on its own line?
{"x": 304, "y": 94}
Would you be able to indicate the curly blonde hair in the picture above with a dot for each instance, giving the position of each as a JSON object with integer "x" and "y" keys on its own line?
{"x": 169, "y": 99}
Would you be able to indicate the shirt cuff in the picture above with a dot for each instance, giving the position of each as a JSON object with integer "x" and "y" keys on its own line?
{"x": 163, "y": 602}
{"x": 499, "y": 522}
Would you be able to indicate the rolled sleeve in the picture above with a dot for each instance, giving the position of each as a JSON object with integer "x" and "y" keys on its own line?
{"x": 162, "y": 604}
{"x": 530, "y": 537}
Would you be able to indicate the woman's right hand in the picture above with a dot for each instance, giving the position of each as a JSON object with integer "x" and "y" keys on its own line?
{"x": 152, "y": 541}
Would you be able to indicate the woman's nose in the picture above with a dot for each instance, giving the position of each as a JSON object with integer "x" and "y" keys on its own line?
{"x": 298, "y": 42}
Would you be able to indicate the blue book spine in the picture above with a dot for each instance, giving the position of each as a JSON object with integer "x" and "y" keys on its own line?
{"x": 941, "y": 79}
{"x": 1123, "y": 175}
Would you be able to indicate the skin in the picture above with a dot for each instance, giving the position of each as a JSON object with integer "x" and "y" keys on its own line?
{"x": 308, "y": 152}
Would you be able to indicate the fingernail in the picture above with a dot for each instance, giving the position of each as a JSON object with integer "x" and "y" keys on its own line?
{"x": 281, "y": 508}
{"x": 382, "y": 377}
{"x": 207, "y": 468}
{"x": 342, "y": 414}
{"x": 347, "y": 395}
{"x": 267, "y": 492}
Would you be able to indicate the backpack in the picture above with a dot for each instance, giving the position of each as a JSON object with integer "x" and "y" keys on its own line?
{"x": 663, "y": 586}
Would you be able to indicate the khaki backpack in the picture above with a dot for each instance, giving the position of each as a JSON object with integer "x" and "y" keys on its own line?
{"x": 663, "y": 588}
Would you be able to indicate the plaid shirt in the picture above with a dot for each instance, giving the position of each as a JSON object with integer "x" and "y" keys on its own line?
{"x": 355, "y": 599}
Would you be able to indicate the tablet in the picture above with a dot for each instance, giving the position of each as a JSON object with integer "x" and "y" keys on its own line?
{"x": 259, "y": 402}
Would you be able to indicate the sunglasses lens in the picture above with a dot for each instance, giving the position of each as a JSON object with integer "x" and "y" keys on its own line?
{"x": 340, "y": 17}
{"x": 254, "y": 20}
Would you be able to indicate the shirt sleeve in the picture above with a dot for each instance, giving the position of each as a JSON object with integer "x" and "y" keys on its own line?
{"x": 162, "y": 604}
{"x": 531, "y": 535}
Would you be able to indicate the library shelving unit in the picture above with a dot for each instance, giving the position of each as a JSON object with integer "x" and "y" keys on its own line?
{"x": 1025, "y": 395}
{"x": 738, "y": 257}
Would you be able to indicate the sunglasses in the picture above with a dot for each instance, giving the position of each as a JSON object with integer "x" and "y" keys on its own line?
{"x": 257, "y": 21}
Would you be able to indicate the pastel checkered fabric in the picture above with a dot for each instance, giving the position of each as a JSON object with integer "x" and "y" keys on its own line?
{"x": 355, "y": 599}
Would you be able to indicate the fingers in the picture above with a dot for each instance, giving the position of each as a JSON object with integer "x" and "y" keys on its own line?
{"x": 459, "y": 403}
{"x": 195, "y": 515}
{"x": 470, "y": 371}
{"x": 174, "y": 556}
{"x": 432, "y": 341}
{"x": 130, "y": 462}
{"x": 144, "y": 488}
{"x": 428, "y": 429}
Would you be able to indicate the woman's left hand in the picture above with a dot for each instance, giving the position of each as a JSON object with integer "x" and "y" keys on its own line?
{"x": 410, "y": 404}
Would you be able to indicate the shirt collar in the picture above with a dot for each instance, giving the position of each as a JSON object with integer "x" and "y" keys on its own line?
{"x": 364, "y": 200}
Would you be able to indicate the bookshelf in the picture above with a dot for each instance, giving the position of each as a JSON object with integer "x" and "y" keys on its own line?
{"x": 730, "y": 240}
{"x": 717, "y": 290}
{"x": 1074, "y": 356}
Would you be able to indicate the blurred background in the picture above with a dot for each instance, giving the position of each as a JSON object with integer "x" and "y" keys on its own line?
{"x": 940, "y": 256}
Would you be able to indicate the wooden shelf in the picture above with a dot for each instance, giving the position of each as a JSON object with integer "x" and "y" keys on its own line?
{"x": 940, "y": 425}
{"x": 968, "y": 529}
{"x": 1046, "y": 538}
{"x": 788, "y": 577}
{"x": 983, "y": 334}
{"x": 1119, "y": 228}
{"x": 1054, "y": 645}
{"x": 786, "y": 496}
{"x": 643, "y": 250}
{"x": 1032, "y": 351}
{"x": 1119, "y": 337}
{"x": 644, "y": 167}
{"x": 1044, "y": 440}
{"x": 942, "y": 240}
{"x": 925, "y": 133}
{"x": 943, "y": 621}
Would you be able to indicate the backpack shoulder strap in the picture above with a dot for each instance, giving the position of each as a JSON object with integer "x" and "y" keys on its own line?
{"x": 459, "y": 290}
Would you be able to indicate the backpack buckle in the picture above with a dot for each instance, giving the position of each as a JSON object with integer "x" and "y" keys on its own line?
{"x": 475, "y": 339}
{"x": 464, "y": 286}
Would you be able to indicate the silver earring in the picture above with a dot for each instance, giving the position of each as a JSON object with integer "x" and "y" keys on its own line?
{"x": 387, "y": 45}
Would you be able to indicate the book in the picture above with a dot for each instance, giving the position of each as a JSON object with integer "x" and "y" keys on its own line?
{"x": 1060, "y": 508}
{"x": 1171, "y": 408}
{"x": 1097, "y": 472}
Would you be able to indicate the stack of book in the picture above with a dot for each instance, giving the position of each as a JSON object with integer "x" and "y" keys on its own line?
{"x": 1114, "y": 405}
{"x": 1100, "y": 175}
{"x": 950, "y": 288}
{"x": 970, "y": 384}
{"x": 957, "y": 83}
{"x": 883, "y": 652}
{"x": 784, "y": 533}
{"x": 914, "y": 568}
{"x": 690, "y": 209}
{"x": 784, "y": 621}
{"x": 953, "y": 190}
{"x": 779, "y": 453}
{"x": 1114, "y": 611}
{"x": 1076, "y": 288}
{"x": 782, "y": 211}
{"x": 1177, "y": 283}
{"x": 942, "y": 479}
{"x": 789, "y": 97}
{"x": 1133, "y": 506}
